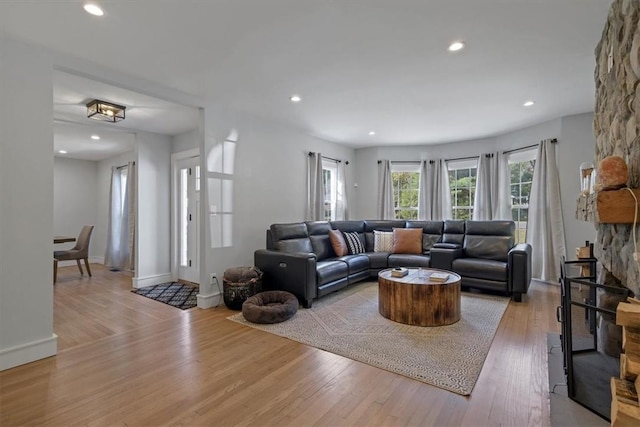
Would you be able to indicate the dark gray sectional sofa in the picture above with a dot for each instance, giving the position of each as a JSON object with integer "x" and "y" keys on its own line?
{"x": 299, "y": 257}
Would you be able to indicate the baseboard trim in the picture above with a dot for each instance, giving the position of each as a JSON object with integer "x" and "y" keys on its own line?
{"x": 143, "y": 282}
{"x": 208, "y": 301}
{"x": 28, "y": 352}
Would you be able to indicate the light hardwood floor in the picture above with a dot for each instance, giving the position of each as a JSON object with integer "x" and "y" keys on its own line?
{"x": 127, "y": 360}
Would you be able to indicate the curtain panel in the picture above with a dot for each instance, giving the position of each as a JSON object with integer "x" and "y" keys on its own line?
{"x": 385, "y": 191}
{"x": 545, "y": 228}
{"x": 492, "y": 199}
{"x": 315, "y": 190}
{"x": 434, "y": 194}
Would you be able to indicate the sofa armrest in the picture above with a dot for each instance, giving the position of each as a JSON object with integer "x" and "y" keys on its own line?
{"x": 443, "y": 255}
{"x": 291, "y": 272}
{"x": 519, "y": 268}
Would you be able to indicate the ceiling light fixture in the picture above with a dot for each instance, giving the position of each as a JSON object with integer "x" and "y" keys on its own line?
{"x": 455, "y": 46}
{"x": 295, "y": 98}
{"x": 93, "y": 9}
{"x": 62, "y": 152}
{"x": 372, "y": 133}
{"x": 528, "y": 103}
{"x": 105, "y": 111}
{"x": 95, "y": 137}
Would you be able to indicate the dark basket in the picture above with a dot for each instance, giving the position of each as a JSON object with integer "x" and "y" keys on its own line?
{"x": 235, "y": 293}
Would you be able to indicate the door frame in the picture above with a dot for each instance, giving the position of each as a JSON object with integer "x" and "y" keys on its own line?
{"x": 175, "y": 229}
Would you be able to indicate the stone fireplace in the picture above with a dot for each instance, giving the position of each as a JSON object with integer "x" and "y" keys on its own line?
{"x": 616, "y": 128}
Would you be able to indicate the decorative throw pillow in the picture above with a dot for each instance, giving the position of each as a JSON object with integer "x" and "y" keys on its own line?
{"x": 354, "y": 243}
{"x": 407, "y": 241}
{"x": 337, "y": 243}
{"x": 382, "y": 241}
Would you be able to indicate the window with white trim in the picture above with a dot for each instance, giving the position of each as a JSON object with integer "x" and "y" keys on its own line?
{"x": 330, "y": 186}
{"x": 406, "y": 183}
{"x": 462, "y": 182}
{"x": 521, "y": 167}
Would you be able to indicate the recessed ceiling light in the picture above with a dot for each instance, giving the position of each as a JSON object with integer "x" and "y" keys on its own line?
{"x": 96, "y": 137}
{"x": 62, "y": 151}
{"x": 528, "y": 103}
{"x": 93, "y": 9}
{"x": 372, "y": 133}
{"x": 295, "y": 98}
{"x": 455, "y": 46}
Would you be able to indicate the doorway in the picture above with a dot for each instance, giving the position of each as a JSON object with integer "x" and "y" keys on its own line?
{"x": 186, "y": 218}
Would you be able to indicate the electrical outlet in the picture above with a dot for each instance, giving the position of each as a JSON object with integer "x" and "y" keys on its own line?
{"x": 213, "y": 278}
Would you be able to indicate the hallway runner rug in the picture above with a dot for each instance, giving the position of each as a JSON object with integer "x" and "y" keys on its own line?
{"x": 173, "y": 293}
{"x": 347, "y": 323}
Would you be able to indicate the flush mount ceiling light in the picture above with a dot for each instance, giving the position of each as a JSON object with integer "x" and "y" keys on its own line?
{"x": 528, "y": 103}
{"x": 62, "y": 152}
{"x": 295, "y": 98}
{"x": 105, "y": 111}
{"x": 372, "y": 133}
{"x": 95, "y": 137}
{"x": 455, "y": 46}
{"x": 93, "y": 9}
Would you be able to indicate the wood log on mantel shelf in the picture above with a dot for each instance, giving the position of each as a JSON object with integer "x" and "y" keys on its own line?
{"x": 609, "y": 207}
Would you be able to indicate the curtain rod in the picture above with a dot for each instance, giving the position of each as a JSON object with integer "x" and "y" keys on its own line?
{"x": 311, "y": 153}
{"x": 124, "y": 166}
{"x": 462, "y": 158}
{"x": 553, "y": 141}
{"x": 402, "y": 161}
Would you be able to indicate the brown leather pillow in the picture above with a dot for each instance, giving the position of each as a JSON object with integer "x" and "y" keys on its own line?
{"x": 338, "y": 243}
{"x": 407, "y": 241}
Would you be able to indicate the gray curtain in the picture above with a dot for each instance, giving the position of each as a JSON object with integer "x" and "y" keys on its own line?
{"x": 121, "y": 228}
{"x": 385, "y": 191}
{"x": 434, "y": 195}
{"x": 342, "y": 211}
{"x": 315, "y": 188}
{"x": 545, "y": 228}
{"x": 492, "y": 199}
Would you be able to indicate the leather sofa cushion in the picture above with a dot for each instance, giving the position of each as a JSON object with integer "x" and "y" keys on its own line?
{"x": 294, "y": 245}
{"x": 295, "y": 230}
{"x": 428, "y": 227}
{"x": 378, "y": 260}
{"x": 384, "y": 224}
{"x": 322, "y": 247}
{"x": 487, "y": 247}
{"x": 318, "y": 228}
{"x": 348, "y": 226}
{"x": 337, "y": 243}
{"x": 407, "y": 241}
{"x": 453, "y": 232}
{"x": 356, "y": 263}
{"x": 481, "y": 269}
{"x": 329, "y": 271}
{"x": 408, "y": 260}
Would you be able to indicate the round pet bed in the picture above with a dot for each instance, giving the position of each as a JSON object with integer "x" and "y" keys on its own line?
{"x": 270, "y": 307}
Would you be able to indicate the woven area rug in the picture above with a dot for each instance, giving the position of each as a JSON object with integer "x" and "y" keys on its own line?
{"x": 347, "y": 323}
{"x": 173, "y": 293}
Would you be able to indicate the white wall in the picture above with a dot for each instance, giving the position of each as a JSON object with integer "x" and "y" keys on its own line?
{"x": 153, "y": 227}
{"x": 269, "y": 183}
{"x": 102, "y": 190}
{"x": 26, "y": 201}
{"x": 185, "y": 141}
{"x": 75, "y": 200}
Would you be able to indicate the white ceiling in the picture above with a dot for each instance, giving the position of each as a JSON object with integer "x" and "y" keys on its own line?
{"x": 359, "y": 65}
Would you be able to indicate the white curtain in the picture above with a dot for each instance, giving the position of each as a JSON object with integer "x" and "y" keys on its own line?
{"x": 545, "y": 229}
{"x": 315, "y": 188}
{"x": 385, "y": 191}
{"x": 492, "y": 199}
{"x": 121, "y": 229}
{"x": 434, "y": 194}
{"x": 342, "y": 212}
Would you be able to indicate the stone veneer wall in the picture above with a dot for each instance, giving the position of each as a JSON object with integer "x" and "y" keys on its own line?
{"x": 617, "y": 128}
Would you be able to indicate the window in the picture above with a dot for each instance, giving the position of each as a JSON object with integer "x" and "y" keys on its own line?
{"x": 462, "y": 181}
{"x": 406, "y": 184}
{"x": 330, "y": 185}
{"x": 521, "y": 166}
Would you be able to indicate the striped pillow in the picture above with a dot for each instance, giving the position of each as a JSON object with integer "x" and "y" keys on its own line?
{"x": 382, "y": 241}
{"x": 354, "y": 243}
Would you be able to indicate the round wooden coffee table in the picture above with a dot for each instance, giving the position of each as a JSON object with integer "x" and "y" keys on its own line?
{"x": 416, "y": 300}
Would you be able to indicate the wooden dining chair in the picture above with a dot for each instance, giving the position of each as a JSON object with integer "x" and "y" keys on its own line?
{"x": 78, "y": 252}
